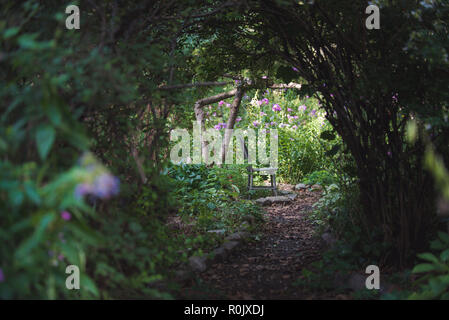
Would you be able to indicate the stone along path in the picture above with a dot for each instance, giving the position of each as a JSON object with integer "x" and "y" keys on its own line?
{"x": 268, "y": 268}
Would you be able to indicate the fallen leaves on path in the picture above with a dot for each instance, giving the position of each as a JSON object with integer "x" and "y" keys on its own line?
{"x": 267, "y": 269}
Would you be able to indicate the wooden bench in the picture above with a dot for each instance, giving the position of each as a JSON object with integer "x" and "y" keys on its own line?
{"x": 263, "y": 171}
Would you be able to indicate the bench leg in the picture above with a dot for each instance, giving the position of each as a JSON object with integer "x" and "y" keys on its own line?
{"x": 273, "y": 184}
{"x": 250, "y": 184}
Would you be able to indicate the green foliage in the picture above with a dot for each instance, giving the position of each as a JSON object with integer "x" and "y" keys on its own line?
{"x": 299, "y": 123}
{"x": 212, "y": 196}
{"x": 64, "y": 92}
{"x": 339, "y": 212}
{"x": 322, "y": 177}
{"x": 434, "y": 280}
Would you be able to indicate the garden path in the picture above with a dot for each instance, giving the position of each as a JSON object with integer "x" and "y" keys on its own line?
{"x": 268, "y": 268}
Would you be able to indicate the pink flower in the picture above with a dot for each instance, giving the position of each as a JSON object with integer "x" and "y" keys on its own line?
{"x": 2, "y": 276}
{"x": 302, "y": 108}
{"x": 66, "y": 215}
{"x": 289, "y": 109}
{"x": 263, "y": 113}
{"x": 221, "y": 103}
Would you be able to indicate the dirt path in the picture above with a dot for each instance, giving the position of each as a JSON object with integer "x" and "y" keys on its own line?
{"x": 266, "y": 269}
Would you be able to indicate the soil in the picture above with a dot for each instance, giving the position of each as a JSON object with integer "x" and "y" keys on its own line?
{"x": 268, "y": 268}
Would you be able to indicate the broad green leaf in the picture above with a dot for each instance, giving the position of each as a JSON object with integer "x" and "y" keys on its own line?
{"x": 87, "y": 284}
{"x": 423, "y": 267}
{"x": 429, "y": 257}
{"x": 31, "y": 193}
{"x": 45, "y": 136}
{"x": 36, "y": 237}
{"x": 444, "y": 237}
{"x": 11, "y": 32}
{"x": 444, "y": 256}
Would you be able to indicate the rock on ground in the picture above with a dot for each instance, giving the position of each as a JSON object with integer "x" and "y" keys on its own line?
{"x": 237, "y": 236}
{"x": 198, "y": 264}
{"x": 270, "y": 200}
{"x": 300, "y": 186}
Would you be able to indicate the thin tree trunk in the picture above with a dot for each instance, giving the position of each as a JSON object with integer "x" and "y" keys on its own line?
{"x": 231, "y": 122}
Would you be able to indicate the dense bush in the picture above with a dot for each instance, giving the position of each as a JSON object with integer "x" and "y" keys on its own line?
{"x": 213, "y": 197}
{"x": 299, "y": 122}
{"x": 64, "y": 92}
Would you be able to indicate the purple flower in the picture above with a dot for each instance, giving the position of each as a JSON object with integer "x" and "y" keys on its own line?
{"x": 2, "y": 276}
{"x": 265, "y": 101}
{"x": 228, "y": 105}
{"x": 282, "y": 125}
{"x": 82, "y": 190}
{"x": 272, "y": 123}
{"x": 289, "y": 109}
{"x": 395, "y": 97}
{"x": 221, "y": 103}
{"x": 256, "y": 123}
{"x": 220, "y": 126}
{"x": 106, "y": 185}
{"x": 302, "y": 108}
{"x": 262, "y": 113}
{"x": 60, "y": 257}
{"x": 276, "y": 107}
{"x": 313, "y": 113}
{"x": 295, "y": 117}
{"x": 295, "y": 127}
{"x": 66, "y": 215}
{"x": 295, "y": 69}
{"x": 214, "y": 114}
{"x": 238, "y": 119}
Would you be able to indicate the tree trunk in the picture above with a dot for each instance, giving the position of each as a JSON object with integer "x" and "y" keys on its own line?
{"x": 231, "y": 122}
